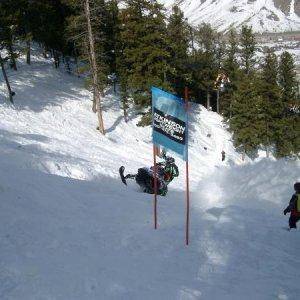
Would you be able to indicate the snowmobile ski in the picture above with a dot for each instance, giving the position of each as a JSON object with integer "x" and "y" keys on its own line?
{"x": 121, "y": 171}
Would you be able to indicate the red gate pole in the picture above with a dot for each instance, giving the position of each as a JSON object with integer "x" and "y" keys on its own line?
{"x": 186, "y": 96}
{"x": 155, "y": 187}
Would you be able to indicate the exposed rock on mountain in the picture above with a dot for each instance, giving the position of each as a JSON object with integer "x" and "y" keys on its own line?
{"x": 262, "y": 15}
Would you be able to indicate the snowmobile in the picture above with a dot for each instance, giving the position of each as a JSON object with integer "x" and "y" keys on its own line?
{"x": 166, "y": 171}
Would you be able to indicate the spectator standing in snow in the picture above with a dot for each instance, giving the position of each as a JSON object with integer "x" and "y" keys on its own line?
{"x": 223, "y": 155}
{"x": 294, "y": 207}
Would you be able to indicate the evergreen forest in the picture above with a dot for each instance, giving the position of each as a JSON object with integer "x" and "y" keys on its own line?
{"x": 136, "y": 45}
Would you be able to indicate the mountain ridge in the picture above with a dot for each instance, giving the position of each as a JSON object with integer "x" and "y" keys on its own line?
{"x": 262, "y": 15}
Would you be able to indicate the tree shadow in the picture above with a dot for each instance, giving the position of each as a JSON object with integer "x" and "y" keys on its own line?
{"x": 115, "y": 124}
{"x": 38, "y": 86}
{"x": 215, "y": 211}
{"x": 31, "y": 147}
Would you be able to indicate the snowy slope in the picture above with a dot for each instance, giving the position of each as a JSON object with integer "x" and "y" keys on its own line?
{"x": 70, "y": 230}
{"x": 262, "y": 15}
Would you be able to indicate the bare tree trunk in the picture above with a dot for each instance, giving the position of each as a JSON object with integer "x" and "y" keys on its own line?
{"x": 94, "y": 108}
{"x": 125, "y": 110}
{"x": 67, "y": 64}
{"x": 115, "y": 87}
{"x": 192, "y": 38}
{"x": 207, "y": 100}
{"x": 10, "y": 93}
{"x": 12, "y": 57}
{"x": 28, "y": 44}
{"x": 56, "y": 59}
{"x": 76, "y": 61}
{"x": 123, "y": 94}
{"x": 45, "y": 52}
{"x": 268, "y": 143}
{"x": 97, "y": 102}
{"x": 86, "y": 43}
{"x": 77, "y": 68}
{"x": 218, "y": 101}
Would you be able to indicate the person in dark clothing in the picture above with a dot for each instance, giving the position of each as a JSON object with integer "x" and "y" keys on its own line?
{"x": 294, "y": 207}
{"x": 223, "y": 155}
{"x": 221, "y": 82}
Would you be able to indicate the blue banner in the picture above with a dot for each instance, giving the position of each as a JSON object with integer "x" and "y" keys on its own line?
{"x": 169, "y": 122}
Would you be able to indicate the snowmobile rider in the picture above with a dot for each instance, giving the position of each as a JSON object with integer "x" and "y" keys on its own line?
{"x": 294, "y": 207}
{"x": 166, "y": 171}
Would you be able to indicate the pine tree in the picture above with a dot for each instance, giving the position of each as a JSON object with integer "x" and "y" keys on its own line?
{"x": 178, "y": 40}
{"x": 231, "y": 68}
{"x": 24, "y": 11}
{"x": 9, "y": 25}
{"x": 144, "y": 49}
{"x": 245, "y": 117}
{"x": 231, "y": 65}
{"x": 205, "y": 61}
{"x": 119, "y": 67}
{"x": 112, "y": 34}
{"x": 287, "y": 79}
{"x": 122, "y": 73}
{"x": 248, "y": 48}
{"x": 245, "y": 122}
{"x": 271, "y": 107}
{"x": 288, "y": 138}
{"x": 99, "y": 23}
{"x": 27, "y": 20}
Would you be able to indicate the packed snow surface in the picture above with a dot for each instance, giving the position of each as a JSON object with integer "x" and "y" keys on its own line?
{"x": 69, "y": 229}
{"x": 262, "y": 15}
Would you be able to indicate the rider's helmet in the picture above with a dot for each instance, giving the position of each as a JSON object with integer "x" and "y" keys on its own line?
{"x": 170, "y": 169}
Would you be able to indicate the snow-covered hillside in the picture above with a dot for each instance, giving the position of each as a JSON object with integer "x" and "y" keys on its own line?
{"x": 69, "y": 229}
{"x": 262, "y": 15}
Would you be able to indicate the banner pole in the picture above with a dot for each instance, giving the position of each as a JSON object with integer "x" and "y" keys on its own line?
{"x": 155, "y": 187}
{"x": 187, "y": 174}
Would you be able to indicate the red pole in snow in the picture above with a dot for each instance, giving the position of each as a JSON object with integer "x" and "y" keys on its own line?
{"x": 155, "y": 187}
{"x": 186, "y": 96}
